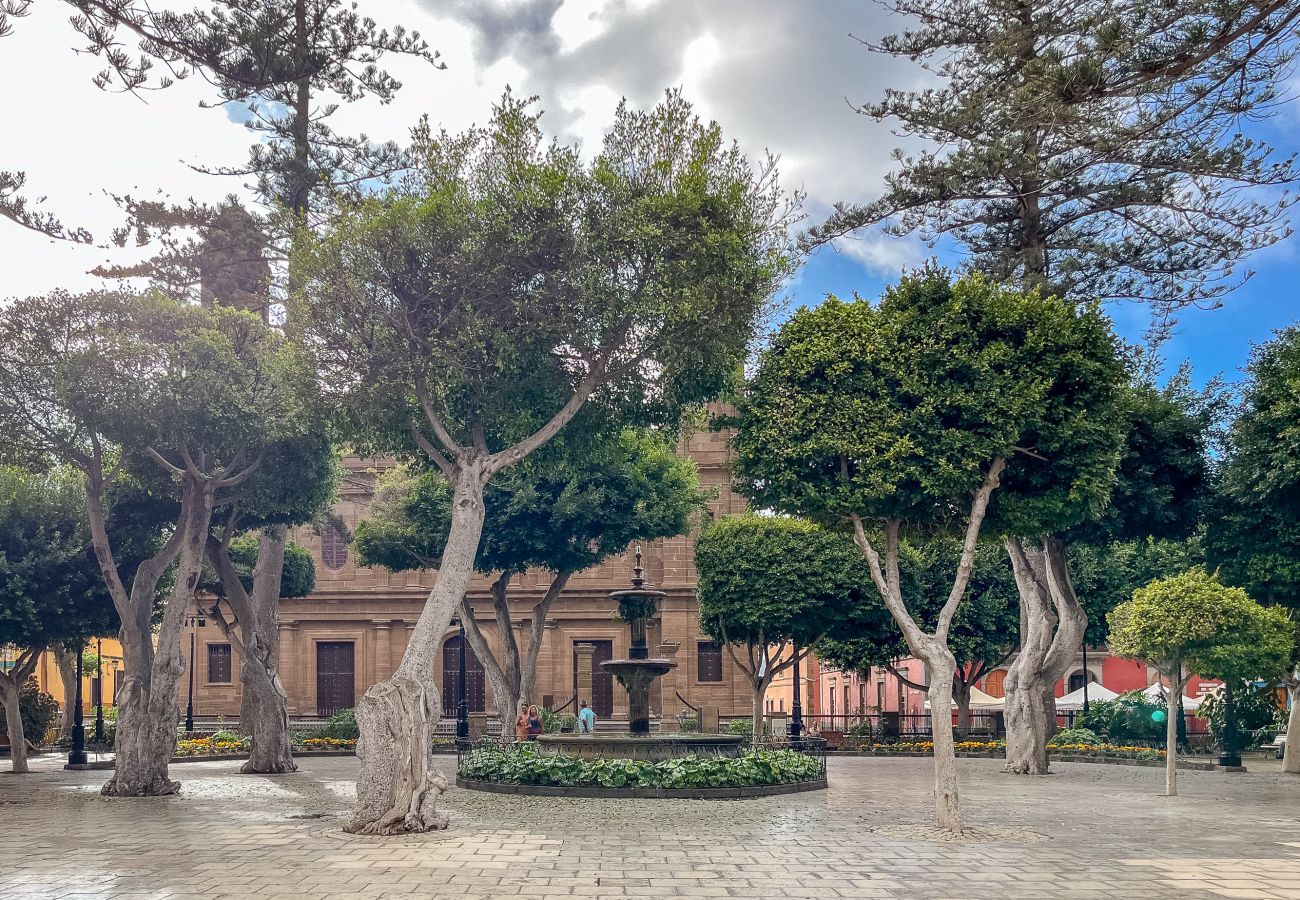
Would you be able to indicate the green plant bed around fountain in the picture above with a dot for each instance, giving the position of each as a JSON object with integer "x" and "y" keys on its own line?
{"x": 756, "y": 773}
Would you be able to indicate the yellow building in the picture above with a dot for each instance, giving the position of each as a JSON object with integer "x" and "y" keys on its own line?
{"x": 110, "y": 673}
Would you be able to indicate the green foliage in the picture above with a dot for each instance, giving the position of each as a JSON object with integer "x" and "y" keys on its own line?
{"x": 1076, "y": 735}
{"x": 1255, "y": 708}
{"x": 652, "y": 265}
{"x": 226, "y": 734}
{"x": 896, "y": 411}
{"x": 1057, "y": 143}
{"x": 1192, "y": 618}
{"x": 1105, "y": 575}
{"x": 298, "y": 578}
{"x": 37, "y": 710}
{"x": 755, "y": 767}
{"x": 51, "y": 590}
{"x": 342, "y": 725}
{"x": 554, "y": 723}
{"x": 985, "y": 627}
{"x": 586, "y": 495}
{"x": 769, "y": 579}
{"x": 1128, "y": 718}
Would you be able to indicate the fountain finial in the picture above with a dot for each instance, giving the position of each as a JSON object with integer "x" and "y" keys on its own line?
{"x": 638, "y": 573}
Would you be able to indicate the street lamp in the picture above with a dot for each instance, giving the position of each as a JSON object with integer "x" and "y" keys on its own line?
{"x": 77, "y": 756}
{"x": 196, "y": 622}
{"x": 796, "y": 708}
{"x": 1086, "y": 678}
{"x": 99, "y": 690}
{"x": 462, "y": 705}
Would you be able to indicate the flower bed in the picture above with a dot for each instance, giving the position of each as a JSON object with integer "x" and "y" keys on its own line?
{"x": 994, "y": 748}
{"x": 527, "y": 767}
{"x": 210, "y": 746}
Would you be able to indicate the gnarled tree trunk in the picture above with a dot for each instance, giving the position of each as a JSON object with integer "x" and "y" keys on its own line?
{"x": 66, "y": 660}
{"x": 264, "y": 708}
{"x": 147, "y": 705}
{"x": 398, "y": 787}
{"x": 1052, "y": 628}
{"x": 1291, "y": 758}
{"x": 11, "y": 685}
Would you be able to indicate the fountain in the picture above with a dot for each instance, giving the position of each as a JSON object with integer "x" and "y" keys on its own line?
{"x": 636, "y": 605}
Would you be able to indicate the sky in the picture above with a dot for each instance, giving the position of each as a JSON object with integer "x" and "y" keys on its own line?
{"x": 777, "y": 75}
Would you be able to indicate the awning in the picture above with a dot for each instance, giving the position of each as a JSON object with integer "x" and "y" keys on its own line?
{"x": 1074, "y": 699}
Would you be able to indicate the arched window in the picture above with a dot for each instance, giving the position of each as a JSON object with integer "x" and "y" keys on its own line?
{"x": 333, "y": 549}
{"x": 1077, "y": 679}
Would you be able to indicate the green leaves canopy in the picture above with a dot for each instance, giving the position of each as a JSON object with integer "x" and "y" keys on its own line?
{"x": 770, "y": 579}
{"x": 896, "y": 411}
{"x": 578, "y": 500}
{"x": 1216, "y": 630}
{"x": 504, "y": 276}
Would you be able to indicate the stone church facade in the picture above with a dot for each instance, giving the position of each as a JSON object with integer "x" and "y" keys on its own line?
{"x": 352, "y": 631}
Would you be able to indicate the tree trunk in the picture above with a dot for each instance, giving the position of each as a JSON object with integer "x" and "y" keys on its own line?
{"x": 947, "y": 810}
{"x": 506, "y": 694}
{"x": 264, "y": 709}
{"x": 9, "y": 689}
{"x": 147, "y": 707}
{"x": 961, "y": 694}
{"x": 1052, "y": 627}
{"x": 398, "y": 786}
{"x": 67, "y": 663}
{"x": 1171, "y": 729}
{"x": 760, "y": 691}
{"x": 1291, "y": 758}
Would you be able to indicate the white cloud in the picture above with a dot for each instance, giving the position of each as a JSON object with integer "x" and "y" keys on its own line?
{"x": 883, "y": 254}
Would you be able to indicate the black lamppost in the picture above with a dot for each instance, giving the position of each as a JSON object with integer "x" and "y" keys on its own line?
{"x": 99, "y": 690}
{"x": 77, "y": 757}
{"x": 796, "y": 708}
{"x": 196, "y": 622}
{"x": 462, "y": 704}
{"x": 1086, "y": 678}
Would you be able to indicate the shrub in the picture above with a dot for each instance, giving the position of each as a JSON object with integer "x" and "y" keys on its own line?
{"x": 1256, "y": 710}
{"x": 1126, "y": 718}
{"x": 225, "y": 736}
{"x": 37, "y": 710}
{"x": 554, "y": 723}
{"x": 1075, "y": 736}
{"x": 689, "y": 725}
{"x": 746, "y": 727}
{"x": 343, "y": 726}
{"x": 525, "y": 766}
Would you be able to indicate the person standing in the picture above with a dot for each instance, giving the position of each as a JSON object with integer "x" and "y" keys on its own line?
{"x": 521, "y": 724}
{"x": 534, "y": 723}
{"x": 586, "y": 719}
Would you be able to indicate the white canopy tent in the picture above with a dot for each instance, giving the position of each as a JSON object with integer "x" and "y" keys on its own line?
{"x": 979, "y": 700}
{"x": 1157, "y": 691}
{"x": 1074, "y": 699}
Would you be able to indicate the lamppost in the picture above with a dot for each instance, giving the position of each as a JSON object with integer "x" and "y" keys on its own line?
{"x": 196, "y": 622}
{"x": 99, "y": 690}
{"x": 1086, "y": 678}
{"x": 796, "y": 708}
{"x": 77, "y": 756}
{"x": 462, "y": 704}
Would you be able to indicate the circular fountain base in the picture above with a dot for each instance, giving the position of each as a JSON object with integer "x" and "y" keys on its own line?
{"x": 651, "y": 748}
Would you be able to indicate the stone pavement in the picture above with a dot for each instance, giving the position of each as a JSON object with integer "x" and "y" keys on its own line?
{"x": 1090, "y": 831}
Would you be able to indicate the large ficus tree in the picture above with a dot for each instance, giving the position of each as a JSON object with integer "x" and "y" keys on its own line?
{"x": 115, "y": 384}
{"x": 1253, "y": 528}
{"x": 469, "y": 315}
{"x": 1154, "y": 492}
{"x": 50, "y": 590}
{"x": 775, "y": 586}
{"x": 915, "y": 412}
{"x": 984, "y": 629}
{"x": 1089, "y": 149}
{"x": 576, "y": 502}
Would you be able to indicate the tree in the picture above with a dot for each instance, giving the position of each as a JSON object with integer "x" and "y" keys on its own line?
{"x": 983, "y": 632}
{"x": 571, "y": 505}
{"x": 120, "y": 386}
{"x": 1254, "y": 530}
{"x": 915, "y": 412}
{"x": 1093, "y": 149}
{"x": 1191, "y": 620}
{"x": 1157, "y": 492}
{"x": 474, "y": 311}
{"x": 50, "y": 590}
{"x": 775, "y": 586}
{"x": 255, "y": 567}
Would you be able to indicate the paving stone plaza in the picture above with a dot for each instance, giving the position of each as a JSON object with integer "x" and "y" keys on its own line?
{"x": 1089, "y": 831}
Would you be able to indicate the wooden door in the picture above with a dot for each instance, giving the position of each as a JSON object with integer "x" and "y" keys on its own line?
{"x": 335, "y": 677}
{"x": 475, "y": 680}
{"x": 602, "y": 683}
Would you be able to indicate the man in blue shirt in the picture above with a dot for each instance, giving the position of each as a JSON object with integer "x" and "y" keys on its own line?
{"x": 586, "y": 719}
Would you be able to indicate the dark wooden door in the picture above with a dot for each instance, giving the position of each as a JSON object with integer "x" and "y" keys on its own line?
{"x": 335, "y": 677}
{"x": 602, "y": 683}
{"x": 475, "y": 683}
